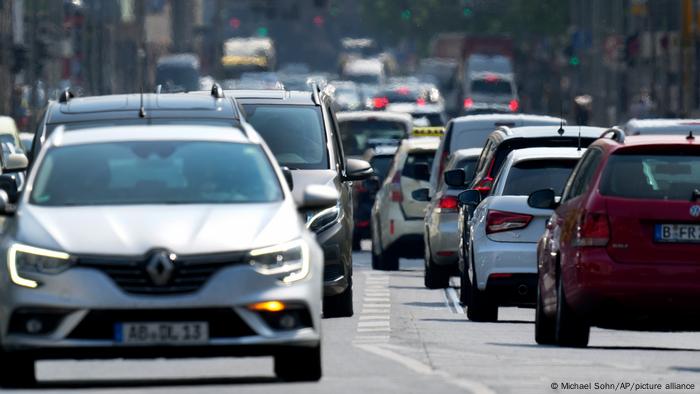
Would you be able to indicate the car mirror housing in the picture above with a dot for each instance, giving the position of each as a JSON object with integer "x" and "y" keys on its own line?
{"x": 542, "y": 199}
{"x": 455, "y": 178}
{"x": 15, "y": 162}
{"x": 421, "y": 194}
{"x": 357, "y": 170}
{"x": 317, "y": 197}
{"x": 8, "y": 184}
{"x": 469, "y": 197}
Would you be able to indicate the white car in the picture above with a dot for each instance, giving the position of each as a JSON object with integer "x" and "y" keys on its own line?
{"x": 504, "y": 230}
{"x": 661, "y": 126}
{"x": 396, "y": 221}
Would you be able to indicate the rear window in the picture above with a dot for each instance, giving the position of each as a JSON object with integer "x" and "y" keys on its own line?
{"x": 521, "y": 143}
{"x": 428, "y": 119}
{"x": 532, "y": 175}
{"x": 650, "y": 176}
{"x": 488, "y": 86}
{"x": 360, "y": 135}
{"x": 381, "y": 164}
{"x": 469, "y": 166}
{"x": 415, "y": 158}
{"x": 463, "y": 138}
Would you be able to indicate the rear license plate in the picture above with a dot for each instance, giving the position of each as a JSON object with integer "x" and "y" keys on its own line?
{"x": 158, "y": 333}
{"x": 677, "y": 233}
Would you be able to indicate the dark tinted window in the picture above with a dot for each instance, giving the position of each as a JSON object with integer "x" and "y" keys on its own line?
{"x": 488, "y": 86}
{"x": 294, "y": 133}
{"x": 469, "y": 166}
{"x": 359, "y": 135}
{"x": 155, "y": 172}
{"x": 652, "y": 176}
{"x": 532, "y": 175}
{"x": 414, "y": 158}
{"x": 401, "y": 95}
{"x": 510, "y": 145}
{"x": 381, "y": 164}
{"x": 583, "y": 173}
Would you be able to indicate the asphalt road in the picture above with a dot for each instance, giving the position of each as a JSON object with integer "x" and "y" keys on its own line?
{"x": 407, "y": 339}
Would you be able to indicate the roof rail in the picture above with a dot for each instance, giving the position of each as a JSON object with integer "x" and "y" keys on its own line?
{"x": 505, "y": 129}
{"x": 217, "y": 91}
{"x": 315, "y": 91}
{"x": 618, "y": 135}
{"x": 65, "y": 96}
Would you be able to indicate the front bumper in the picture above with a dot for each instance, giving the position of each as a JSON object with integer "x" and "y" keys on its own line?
{"x": 632, "y": 296}
{"x": 85, "y": 304}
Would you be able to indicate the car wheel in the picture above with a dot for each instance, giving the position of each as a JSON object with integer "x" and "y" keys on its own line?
{"x": 570, "y": 329}
{"x": 339, "y": 305}
{"x": 299, "y": 365}
{"x": 464, "y": 287}
{"x": 356, "y": 241}
{"x": 544, "y": 325}
{"x": 376, "y": 251}
{"x": 16, "y": 370}
{"x": 435, "y": 277}
{"x": 480, "y": 308}
{"x": 389, "y": 260}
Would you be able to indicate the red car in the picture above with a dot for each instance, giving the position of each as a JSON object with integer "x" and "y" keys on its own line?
{"x": 622, "y": 249}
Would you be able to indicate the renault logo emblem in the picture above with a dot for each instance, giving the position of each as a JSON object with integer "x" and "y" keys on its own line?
{"x": 160, "y": 268}
{"x": 695, "y": 211}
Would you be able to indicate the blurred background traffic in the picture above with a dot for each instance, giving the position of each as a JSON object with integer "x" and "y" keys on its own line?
{"x": 593, "y": 62}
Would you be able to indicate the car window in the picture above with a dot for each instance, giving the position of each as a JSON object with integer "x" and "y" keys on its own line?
{"x": 581, "y": 176}
{"x": 510, "y": 145}
{"x": 469, "y": 167}
{"x": 294, "y": 133}
{"x": 529, "y": 176}
{"x": 360, "y": 135}
{"x": 155, "y": 172}
{"x": 652, "y": 176}
{"x": 381, "y": 165}
{"x": 414, "y": 158}
{"x": 491, "y": 86}
{"x": 469, "y": 137}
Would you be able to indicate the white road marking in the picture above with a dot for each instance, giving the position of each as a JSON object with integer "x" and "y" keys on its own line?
{"x": 419, "y": 367}
{"x": 448, "y": 303}
{"x": 373, "y": 324}
{"x": 376, "y": 305}
{"x": 451, "y": 294}
{"x": 374, "y": 317}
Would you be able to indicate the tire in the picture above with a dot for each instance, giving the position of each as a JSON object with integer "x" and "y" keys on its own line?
{"x": 16, "y": 370}
{"x": 339, "y": 305}
{"x": 435, "y": 277}
{"x": 570, "y": 329}
{"x": 544, "y": 325}
{"x": 464, "y": 287}
{"x": 376, "y": 249}
{"x": 299, "y": 365}
{"x": 389, "y": 261}
{"x": 356, "y": 241}
{"x": 480, "y": 308}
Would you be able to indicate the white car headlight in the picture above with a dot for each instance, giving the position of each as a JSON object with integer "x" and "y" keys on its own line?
{"x": 23, "y": 259}
{"x": 289, "y": 261}
{"x": 318, "y": 221}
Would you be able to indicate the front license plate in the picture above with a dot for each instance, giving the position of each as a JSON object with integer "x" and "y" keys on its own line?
{"x": 677, "y": 233}
{"x": 158, "y": 333}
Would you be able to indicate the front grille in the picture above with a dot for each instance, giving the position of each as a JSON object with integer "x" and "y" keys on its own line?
{"x": 189, "y": 273}
{"x": 99, "y": 324}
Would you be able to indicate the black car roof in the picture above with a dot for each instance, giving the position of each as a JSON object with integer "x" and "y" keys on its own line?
{"x": 157, "y": 106}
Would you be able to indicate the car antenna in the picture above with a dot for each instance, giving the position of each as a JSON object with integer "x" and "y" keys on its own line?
{"x": 579, "y": 138}
{"x": 561, "y": 117}
{"x": 690, "y": 136}
{"x": 142, "y": 110}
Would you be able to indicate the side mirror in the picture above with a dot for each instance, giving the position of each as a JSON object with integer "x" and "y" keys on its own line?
{"x": 456, "y": 177}
{"x": 421, "y": 194}
{"x": 542, "y": 199}
{"x": 15, "y": 162}
{"x": 357, "y": 170}
{"x": 469, "y": 197}
{"x": 8, "y": 184}
{"x": 6, "y": 208}
{"x": 288, "y": 177}
{"x": 421, "y": 172}
{"x": 317, "y": 197}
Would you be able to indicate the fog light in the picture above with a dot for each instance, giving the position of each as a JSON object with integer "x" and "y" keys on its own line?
{"x": 34, "y": 326}
{"x": 268, "y": 306}
{"x": 288, "y": 321}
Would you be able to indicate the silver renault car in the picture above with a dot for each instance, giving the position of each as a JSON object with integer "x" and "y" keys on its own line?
{"x": 159, "y": 241}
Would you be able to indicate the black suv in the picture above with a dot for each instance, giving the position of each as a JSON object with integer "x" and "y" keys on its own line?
{"x": 301, "y": 130}
{"x": 131, "y": 109}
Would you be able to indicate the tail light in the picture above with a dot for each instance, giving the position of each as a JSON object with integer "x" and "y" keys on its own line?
{"x": 396, "y": 194}
{"x": 468, "y": 102}
{"x": 593, "y": 230}
{"x": 448, "y": 203}
{"x": 362, "y": 223}
{"x": 380, "y": 102}
{"x": 513, "y": 105}
{"x": 497, "y": 221}
{"x": 420, "y": 101}
{"x": 485, "y": 185}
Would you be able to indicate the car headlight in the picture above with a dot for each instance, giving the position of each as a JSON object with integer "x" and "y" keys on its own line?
{"x": 318, "y": 221}
{"x": 289, "y": 261}
{"x": 23, "y": 259}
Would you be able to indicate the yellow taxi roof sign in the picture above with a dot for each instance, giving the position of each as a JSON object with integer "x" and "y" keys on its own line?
{"x": 436, "y": 131}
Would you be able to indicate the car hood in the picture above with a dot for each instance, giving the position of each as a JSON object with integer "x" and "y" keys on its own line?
{"x": 304, "y": 178}
{"x": 135, "y": 229}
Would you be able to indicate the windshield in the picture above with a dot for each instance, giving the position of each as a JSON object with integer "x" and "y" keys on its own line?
{"x": 294, "y": 133}
{"x": 529, "y": 176}
{"x": 177, "y": 78}
{"x": 360, "y": 135}
{"x": 652, "y": 176}
{"x": 155, "y": 172}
